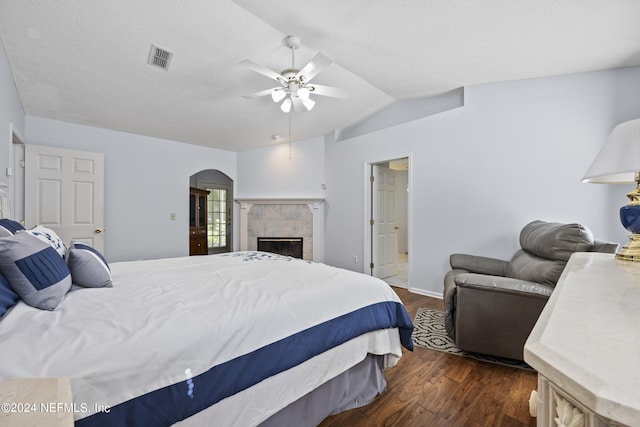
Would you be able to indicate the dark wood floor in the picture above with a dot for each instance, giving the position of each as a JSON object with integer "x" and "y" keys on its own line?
{"x": 432, "y": 388}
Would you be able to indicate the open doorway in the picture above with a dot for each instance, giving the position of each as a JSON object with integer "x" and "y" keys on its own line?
{"x": 387, "y": 237}
{"x": 219, "y": 209}
{"x": 13, "y": 203}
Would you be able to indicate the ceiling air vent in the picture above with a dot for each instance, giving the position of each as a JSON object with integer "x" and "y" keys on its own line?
{"x": 159, "y": 57}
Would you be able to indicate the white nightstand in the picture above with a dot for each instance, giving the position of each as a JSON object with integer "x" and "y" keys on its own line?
{"x": 585, "y": 345}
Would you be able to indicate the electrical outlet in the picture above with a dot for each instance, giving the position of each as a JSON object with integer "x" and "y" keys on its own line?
{"x": 355, "y": 259}
{"x": 173, "y": 217}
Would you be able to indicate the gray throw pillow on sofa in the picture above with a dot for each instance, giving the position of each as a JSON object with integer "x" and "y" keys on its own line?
{"x": 88, "y": 266}
{"x": 35, "y": 270}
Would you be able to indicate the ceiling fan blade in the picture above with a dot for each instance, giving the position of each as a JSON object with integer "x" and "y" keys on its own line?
{"x": 261, "y": 93}
{"x": 328, "y": 91}
{"x": 314, "y": 67}
{"x": 262, "y": 70}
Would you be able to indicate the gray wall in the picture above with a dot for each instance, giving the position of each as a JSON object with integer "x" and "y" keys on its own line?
{"x": 282, "y": 172}
{"x": 146, "y": 179}
{"x": 514, "y": 153}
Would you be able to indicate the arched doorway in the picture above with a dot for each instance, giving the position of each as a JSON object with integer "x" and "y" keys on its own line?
{"x": 219, "y": 209}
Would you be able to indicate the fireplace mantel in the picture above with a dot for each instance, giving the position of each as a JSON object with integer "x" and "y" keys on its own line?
{"x": 278, "y": 201}
{"x": 315, "y": 206}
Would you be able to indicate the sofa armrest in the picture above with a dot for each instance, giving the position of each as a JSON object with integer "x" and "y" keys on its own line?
{"x": 502, "y": 284}
{"x": 495, "y": 315}
{"x": 479, "y": 264}
{"x": 605, "y": 247}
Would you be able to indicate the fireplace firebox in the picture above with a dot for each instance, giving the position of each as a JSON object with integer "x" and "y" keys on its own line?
{"x": 288, "y": 246}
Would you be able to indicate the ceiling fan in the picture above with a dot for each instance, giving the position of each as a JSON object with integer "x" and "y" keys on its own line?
{"x": 295, "y": 87}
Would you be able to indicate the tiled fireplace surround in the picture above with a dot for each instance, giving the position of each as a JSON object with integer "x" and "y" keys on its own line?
{"x": 282, "y": 218}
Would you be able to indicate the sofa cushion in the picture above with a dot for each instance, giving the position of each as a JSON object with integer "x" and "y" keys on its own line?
{"x": 555, "y": 241}
{"x": 525, "y": 266}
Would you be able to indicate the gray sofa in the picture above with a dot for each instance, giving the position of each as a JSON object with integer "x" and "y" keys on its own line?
{"x": 491, "y": 305}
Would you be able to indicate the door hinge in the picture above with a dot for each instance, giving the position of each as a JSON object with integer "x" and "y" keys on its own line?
{"x": 371, "y": 222}
{"x": 371, "y": 178}
{"x": 371, "y": 265}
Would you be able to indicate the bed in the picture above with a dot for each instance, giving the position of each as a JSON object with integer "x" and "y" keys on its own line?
{"x": 236, "y": 339}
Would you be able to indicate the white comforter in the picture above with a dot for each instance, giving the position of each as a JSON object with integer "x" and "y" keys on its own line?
{"x": 165, "y": 321}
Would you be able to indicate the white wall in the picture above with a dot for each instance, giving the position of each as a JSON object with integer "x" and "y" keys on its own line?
{"x": 146, "y": 179}
{"x": 284, "y": 171}
{"x": 11, "y": 119}
{"x": 277, "y": 172}
{"x": 514, "y": 153}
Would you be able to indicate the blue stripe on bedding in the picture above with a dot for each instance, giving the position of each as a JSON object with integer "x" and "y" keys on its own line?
{"x": 176, "y": 402}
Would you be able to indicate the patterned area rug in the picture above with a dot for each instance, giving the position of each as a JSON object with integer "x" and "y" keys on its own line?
{"x": 429, "y": 332}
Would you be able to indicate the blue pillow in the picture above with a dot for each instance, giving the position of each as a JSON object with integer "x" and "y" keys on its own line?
{"x": 88, "y": 266}
{"x": 8, "y": 298}
{"x": 35, "y": 270}
{"x": 9, "y": 227}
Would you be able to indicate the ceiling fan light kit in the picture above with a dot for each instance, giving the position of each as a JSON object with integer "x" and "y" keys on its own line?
{"x": 295, "y": 88}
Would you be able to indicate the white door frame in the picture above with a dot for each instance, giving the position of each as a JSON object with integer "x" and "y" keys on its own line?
{"x": 16, "y": 189}
{"x": 367, "y": 210}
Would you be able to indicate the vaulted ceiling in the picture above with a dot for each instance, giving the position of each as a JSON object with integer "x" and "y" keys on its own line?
{"x": 85, "y": 61}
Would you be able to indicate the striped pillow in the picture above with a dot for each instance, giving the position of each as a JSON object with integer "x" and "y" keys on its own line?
{"x": 9, "y": 227}
{"x": 35, "y": 270}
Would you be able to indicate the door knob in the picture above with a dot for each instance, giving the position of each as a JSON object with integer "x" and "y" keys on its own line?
{"x": 98, "y": 230}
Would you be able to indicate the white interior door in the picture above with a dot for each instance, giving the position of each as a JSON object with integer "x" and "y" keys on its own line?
{"x": 384, "y": 237}
{"x": 64, "y": 191}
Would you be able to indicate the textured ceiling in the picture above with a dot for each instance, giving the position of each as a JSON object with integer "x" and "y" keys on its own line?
{"x": 85, "y": 61}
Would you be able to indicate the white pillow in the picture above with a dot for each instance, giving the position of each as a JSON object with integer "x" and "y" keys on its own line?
{"x": 49, "y": 236}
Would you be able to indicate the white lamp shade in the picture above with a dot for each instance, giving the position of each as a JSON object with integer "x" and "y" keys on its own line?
{"x": 308, "y": 103}
{"x": 619, "y": 159}
{"x": 303, "y": 93}
{"x": 286, "y": 105}
{"x": 278, "y": 95}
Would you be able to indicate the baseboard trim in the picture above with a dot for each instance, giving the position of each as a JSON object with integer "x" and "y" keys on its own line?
{"x": 426, "y": 293}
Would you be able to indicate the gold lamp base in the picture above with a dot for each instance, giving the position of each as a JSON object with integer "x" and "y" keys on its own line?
{"x": 631, "y": 251}
{"x": 630, "y": 218}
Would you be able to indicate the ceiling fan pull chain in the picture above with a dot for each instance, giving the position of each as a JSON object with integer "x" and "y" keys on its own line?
{"x": 289, "y": 135}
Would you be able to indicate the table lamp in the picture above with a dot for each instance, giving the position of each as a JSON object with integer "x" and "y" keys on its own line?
{"x": 618, "y": 162}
